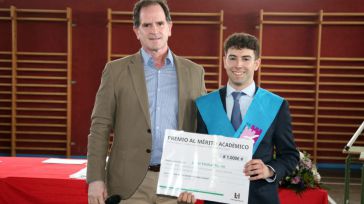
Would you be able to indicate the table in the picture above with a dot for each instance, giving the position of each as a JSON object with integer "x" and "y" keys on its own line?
{"x": 361, "y": 158}
{"x": 311, "y": 196}
{"x": 29, "y": 181}
{"x": 353, "y": 152}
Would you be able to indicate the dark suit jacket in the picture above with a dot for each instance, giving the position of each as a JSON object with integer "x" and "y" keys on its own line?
{"x": 121, "y": 105}
{"x": 279, "y": 136}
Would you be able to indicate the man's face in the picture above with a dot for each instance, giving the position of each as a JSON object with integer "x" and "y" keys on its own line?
{"x": 154, "y": 30}
{"x": 240, "y": 65}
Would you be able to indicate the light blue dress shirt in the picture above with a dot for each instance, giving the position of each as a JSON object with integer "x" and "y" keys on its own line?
{"x": 244, "y": 101}
{"x": 162, "y": 87}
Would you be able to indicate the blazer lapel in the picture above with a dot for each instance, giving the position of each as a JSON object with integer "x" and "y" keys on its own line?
{"x": 182, "y": 87}
{"x": 136, "y": 69}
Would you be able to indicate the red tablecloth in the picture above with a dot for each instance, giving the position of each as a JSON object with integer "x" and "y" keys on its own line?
{"x": 29, "y": 181}
{"x": 311, "y": 196}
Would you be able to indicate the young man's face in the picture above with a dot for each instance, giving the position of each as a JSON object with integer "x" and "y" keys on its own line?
{"x": 154, "y": 29}
{"x": 240, "y": 65}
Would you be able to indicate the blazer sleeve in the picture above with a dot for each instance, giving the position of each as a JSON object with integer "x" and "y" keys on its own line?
{"x": 201, "y": 127}
{"x": 203, "y": 85}
{"x": 287, "y": 155}
{"x": 102, "y": 121}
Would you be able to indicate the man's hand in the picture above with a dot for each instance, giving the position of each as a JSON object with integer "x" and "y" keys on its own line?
{"x": 186, "y": 197}
{"x": 97, "y": 192}
{"x": 256, "y": 169}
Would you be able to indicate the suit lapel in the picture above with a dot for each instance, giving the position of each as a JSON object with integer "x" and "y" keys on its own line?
{"x": 222, "y": 92}
{"x": 182, "y": 87}
{"x": 136, "y": 69}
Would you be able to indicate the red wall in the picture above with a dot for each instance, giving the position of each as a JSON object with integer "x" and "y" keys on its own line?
{"x": 90, "y": 38}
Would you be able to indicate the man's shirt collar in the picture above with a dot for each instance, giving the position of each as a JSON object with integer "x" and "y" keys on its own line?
{"x": 148, "y": 60}
{"x": 249, "y": 91}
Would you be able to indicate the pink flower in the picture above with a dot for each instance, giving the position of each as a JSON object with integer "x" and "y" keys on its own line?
{"x": 304, "y": 176}
{"x": 296, "y": 180}
{"x": 307, "y": 163}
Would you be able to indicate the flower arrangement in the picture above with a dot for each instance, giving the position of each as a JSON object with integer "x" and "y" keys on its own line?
{"x": 304, "y": 176}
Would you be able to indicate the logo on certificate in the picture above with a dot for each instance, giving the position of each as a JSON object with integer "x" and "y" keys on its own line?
{"x": 237, "y": 198}
{"x": 252, "y": 132}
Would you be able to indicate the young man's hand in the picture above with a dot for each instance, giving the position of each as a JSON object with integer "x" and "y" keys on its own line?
{"x": 185, "y": 198}
{"x": 256, "y": 169}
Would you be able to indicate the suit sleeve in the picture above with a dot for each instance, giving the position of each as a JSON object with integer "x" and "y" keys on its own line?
{"x": 287, "y": 156}
{"x": 102, "y": 121}
{"x": 201, "y": 126}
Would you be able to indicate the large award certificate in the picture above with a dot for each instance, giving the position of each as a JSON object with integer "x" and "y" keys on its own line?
{"x": 211, "y": 167}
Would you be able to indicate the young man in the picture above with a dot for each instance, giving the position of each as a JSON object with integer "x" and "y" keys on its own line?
{"x": 139, "y": 97}
{"x": 243, "y": 109}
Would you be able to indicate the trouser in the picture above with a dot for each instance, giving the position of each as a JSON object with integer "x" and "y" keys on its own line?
{"x": 146, "y": 192}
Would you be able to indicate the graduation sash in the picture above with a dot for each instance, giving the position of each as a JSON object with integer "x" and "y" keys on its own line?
{"x": 259, "y": 117}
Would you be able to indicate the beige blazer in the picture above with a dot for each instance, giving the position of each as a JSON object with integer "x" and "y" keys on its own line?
{"x": 122, "y": 105}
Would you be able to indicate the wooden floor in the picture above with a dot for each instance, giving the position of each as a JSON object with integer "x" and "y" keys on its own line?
{"x": 333, "y": 182}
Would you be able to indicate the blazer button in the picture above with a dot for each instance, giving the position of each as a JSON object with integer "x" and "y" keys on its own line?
{"x": 148, "y": 151}
{"x": 149, "y": 131}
